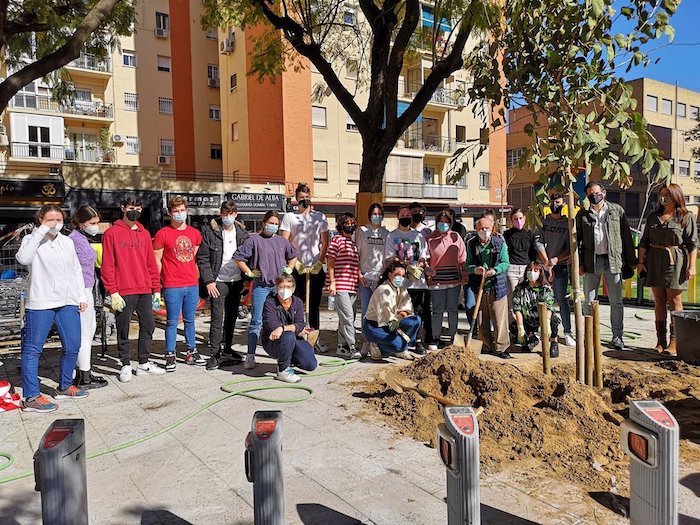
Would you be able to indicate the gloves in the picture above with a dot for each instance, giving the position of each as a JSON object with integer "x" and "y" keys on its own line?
{"x": 415, "y": 272}
{"x": 316, "y": 268}
{"x": 521, "y": 334}
{"x": 287, "y": 270}
{"x": 404, "y": 335}
{"x": 118, "y": 302}
{"x": 300, "y": 268}
{"x": 254, "y": 274}
{"x": 156, "y": 301}
{"x": 393, "y": 325}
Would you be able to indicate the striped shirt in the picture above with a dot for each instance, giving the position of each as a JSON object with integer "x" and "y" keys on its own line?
{"x": 347, "y": 266}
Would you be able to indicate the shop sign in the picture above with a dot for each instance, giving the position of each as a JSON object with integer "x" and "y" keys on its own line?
{"x": 37, "y": 189}
{"x": 198, "y": 200}
{"x": 257, "y": 201}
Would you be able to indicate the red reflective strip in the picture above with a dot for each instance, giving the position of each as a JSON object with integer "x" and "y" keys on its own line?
{"x": 464, "y": 423}
{"x": 56, "y": 435}
{"x": 264, "y": 428}
{"x": 638, "y": 445}
{"x": 661, "y": 416}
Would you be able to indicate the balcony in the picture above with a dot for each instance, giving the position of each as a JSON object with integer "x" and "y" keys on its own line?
{"x": 431, "y": 144}
{"x": 37, "y": 150}
{"x": 89, "y": 154}
{"x": 400, "y": 190}
{"x": 91, "y": 62}
{"x": 442, "y": 96}
{"x": 44, "y": 103}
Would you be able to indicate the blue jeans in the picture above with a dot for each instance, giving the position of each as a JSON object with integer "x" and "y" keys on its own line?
{"x": 36, "y": 329}
{"x": 561, "y": 283}
{"x": 365, "y": 294}
{"x": 260, "y": 295}
{"x": 469, "y": 302}
{"x": 390, "y": 342}
{"x": 290, "y": 351}
{"x": 180, "y": 300}
{"x": 613, "y": 281}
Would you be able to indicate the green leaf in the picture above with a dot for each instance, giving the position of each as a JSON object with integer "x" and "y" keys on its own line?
{"x": 597, "y": 7}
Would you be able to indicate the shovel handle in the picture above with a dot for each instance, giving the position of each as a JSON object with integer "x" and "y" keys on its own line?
{"x": 477, "y": 305}
{"x": 440, "y": 399}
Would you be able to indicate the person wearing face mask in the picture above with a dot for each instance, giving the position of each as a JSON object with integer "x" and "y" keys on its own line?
{"x": 56, "y": 296}
{"x": 410, "y": 247}
{"x": 606, "y": 249}
{"x": 390, "y": 325}
{"x": 131, "y": 278}
{"x": 223, "y": 281}
{"x": 86, "y": 226}
{"x": 417, "y": 217}
{"x": 554, "y": 234}
{"x": 307, "y": 230}
{"x": 523, "y": 246}
{"x": 283, "y": 326}
{"x": 370, "y": 240}
{"x": 446, "y": 274}
{"x": 343, "y": 276}
{"x": 176, "y": 247}
{"x": 526, "y": 299}
{"x": 667, "y": 255}
{"x": 263, "y": 257}
{"x": 488, "y": 254}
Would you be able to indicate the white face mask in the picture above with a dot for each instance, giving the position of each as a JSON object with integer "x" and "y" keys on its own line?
{"x": 284, "y": 293}
{"x": 91, "y": 229}
{"x": 533, "y": 276}
{"x": 58, "y": 227}
{"x": 484, "y": 235}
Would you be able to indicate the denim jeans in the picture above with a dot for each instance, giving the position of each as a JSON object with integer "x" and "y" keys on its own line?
{"x": 178, "y": 300}
{"x": 38, "y": 323}
{"x": 390, "y": 342}
{"x": 613, "y": 281}
{"x": 469, "y": 302}
{"x": 290, "y": 351}
{"x": 365, "y": 294}
{"x": 260, "y": 295}
{"x": 561, "y": 283}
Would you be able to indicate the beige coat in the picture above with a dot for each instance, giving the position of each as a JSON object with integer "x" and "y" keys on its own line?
{"x": 387, "y": 302}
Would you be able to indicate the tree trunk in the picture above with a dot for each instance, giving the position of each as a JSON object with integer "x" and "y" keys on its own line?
{"x": 575, "y": 280}
{"x": 375, "y": 153}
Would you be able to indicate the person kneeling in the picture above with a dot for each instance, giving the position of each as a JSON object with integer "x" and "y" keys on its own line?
{"x": 526, "y": 299}
{"x": 390, "y": 325}
{"x": 282, "y": 331}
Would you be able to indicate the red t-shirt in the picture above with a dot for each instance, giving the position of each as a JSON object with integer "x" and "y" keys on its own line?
{"x": 179, "y": 250}
{"x": 347, "y": 266}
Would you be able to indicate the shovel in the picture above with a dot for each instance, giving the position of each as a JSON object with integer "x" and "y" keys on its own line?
{"x": 474, "y": 345}
{"x": 311, "y": 335}
{"x": 399, "y": 384}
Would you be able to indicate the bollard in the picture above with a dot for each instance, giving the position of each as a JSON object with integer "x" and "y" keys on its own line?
{"x": 544, "y": 334}
{"x": 650, "y": 438}
{"x": 597, "y": 346}
{"x": 458, "y": 446}
{"x": 59, "y": 473}
{"x": 263, "y": 467}
{"x": 589, "y": 350}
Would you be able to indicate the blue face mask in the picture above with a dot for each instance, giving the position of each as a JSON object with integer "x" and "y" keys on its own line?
{"x": 228, "y": 220}
{"x": 180, "y": 216}
{"x": 271, "y": 229}
{"x": 398, "y": 282}
{"x": 443, "y": 227}
{"x": 377, "y": 219}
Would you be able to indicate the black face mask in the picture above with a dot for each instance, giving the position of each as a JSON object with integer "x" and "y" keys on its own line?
{"x": 417, "y": 217}
{"x": 405, "y": 221}
{"x": 556, "y": 208}
{"x": 133, "y": 215}
{"x": 596, "y": 198}
{"x": 304, "y": 203}
{"x": 349, "y": 229}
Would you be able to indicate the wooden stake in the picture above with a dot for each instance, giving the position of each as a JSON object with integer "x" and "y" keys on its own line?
{"x": 589, "y": 350}
{"x": 544, "y": 333}
{"x": 597, "y": 346}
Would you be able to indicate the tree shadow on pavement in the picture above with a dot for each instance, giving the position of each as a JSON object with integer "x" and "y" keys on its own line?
{"x": 317, "y": 514}
{"x": 638, "y": 354}
{"x": 620, "y": 505}
{"x": 493, "y": 516}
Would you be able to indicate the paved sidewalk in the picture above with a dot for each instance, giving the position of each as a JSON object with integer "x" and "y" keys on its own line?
{"x": 341, "y": 467}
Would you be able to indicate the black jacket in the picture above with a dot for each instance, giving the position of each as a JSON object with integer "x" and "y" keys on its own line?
{"x": 212, "y": 249}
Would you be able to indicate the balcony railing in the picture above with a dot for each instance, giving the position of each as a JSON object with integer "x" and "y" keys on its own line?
{"x": 91, "y": 62}
{"x": 93, "y": 108}
{"x": 442, "y": 95}
{"x": 401, "y": 190}
{"x": 38, "y": 150}
{"x": 429, "y": 143}
{"x": 89, "y": 154}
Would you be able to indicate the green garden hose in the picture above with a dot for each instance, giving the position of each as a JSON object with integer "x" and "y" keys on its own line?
{"x": 332, "y": 366}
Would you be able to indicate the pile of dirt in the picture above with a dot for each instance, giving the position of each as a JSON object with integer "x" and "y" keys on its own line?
{"x": 535, "y": 421}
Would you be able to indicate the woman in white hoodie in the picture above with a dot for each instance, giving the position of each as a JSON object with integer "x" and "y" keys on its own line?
{"x": 56, "y": 295}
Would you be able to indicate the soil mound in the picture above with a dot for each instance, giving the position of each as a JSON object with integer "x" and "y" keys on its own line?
{"x": 536, "y": 421}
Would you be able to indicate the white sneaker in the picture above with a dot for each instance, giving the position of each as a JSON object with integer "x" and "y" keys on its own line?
{"x": 321, "y": 347}
{"x": 374, "y": 352}
{"x": 355, "y": 353}
{"x": 288, "y": 376}
{"x": 432, "y": 347}
{"x": 408, "y": 356}
{"x": 364, "y": 352}
{"x": 149, "y": 369}
{"x": 249, "y": 363}
{"x": 125, "y": 374}
{"x": 569, "y": 340}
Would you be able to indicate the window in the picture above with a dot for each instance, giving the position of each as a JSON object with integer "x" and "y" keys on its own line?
{"x": 320, "y": 170}
{"x": 652, "y": 103}
{"x": 484, "y": 180}
{"x": 162, "y": 21}
{"x": 132, "y": 145}
{"x": 212, "y": 35}
{"x": 233, "y": 82}
{"x": 164, "y": 63}
{"x": 697, "y": 199}
{"x": 165, "y": 106}
{"x": 215, "y": 112}
{"x": 234, "y": 131}
{"x": 461, "y": 133}
{"x": 167, "y": 147}
{"x": 680, "y": 109}
{"x": 349, "y": 17}
{"x": 129, "y": 58}
{"x": 684, "y": 168}
{"x": 696, "y": 173}
{"x": 26, "y": 97}
{"x": 513, "y": 157}
{"x": 353, "y": 172}
{"x": 673, "y": 166}
{"x": 351, "y": 69}
{"x": 694, "y": 112}
{"x": 687, "y": 199}
{"x": 212, "y": 71}
{"x": 39, "y": 141}
{"x": 131, "y": 101}
{"x": 215, "y": 152}
{"x": 318, "y": 117}
{"x": 350, "y": 124}
{"x": 666, "y": 106}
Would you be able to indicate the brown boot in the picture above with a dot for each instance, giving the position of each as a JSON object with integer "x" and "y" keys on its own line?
{"x": 671, "y": 348}
{"x": 661, "y": 342}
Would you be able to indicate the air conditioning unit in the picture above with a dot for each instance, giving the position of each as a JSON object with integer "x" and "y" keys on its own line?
{"x": 227, "y": 46}
{"x": 117, "y": 139}
{"x": 163, "y": 159}
{"x": 213, "y": 82}
{"x": 160, "y": 32}
{"x": 462, "y": 101}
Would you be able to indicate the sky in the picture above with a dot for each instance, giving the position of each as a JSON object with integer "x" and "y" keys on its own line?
{"x": 679, "y": 61}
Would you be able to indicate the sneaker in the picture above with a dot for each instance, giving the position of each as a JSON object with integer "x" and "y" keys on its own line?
{"x": 125, "y": 374}
{"x": 321, "y": 347}
{"x": 193, "y": 358}
{"x": 374, "y": 352}
{"x": 618, "y": 343}
{"x": 342, "y": 351}
{"x": 212, "y": 363}
{"x": 249, "y": 363}
{"x": 72, "y": 392}
{"x": 432, "y": 347}
{"x": 553, "y": 349}
{"x": 405, "y": 355}
{"x": 39, "y": 404}
{"x": 170, "y": 362}
{"x": 504, "y": 355}
{"x": 364, "y": 351}
{"x": 419, "y": 349}
{"x": 569, "y": 340}
{"x": 149, "y": 369}
{"x": 288, "y": 376}
{"x": 355, "y": 353}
